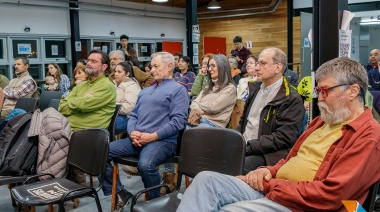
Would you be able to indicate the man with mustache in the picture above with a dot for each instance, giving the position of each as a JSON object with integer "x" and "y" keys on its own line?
{"x": 21, "y": 86}
{"x": 91, "y": 103}
{"x": 337, "y": 157}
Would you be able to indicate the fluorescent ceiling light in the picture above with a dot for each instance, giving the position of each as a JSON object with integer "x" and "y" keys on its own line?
{"x": 213, "y": 5}
{"x": 160, "y": 0}
{"x": 369, "y": 23}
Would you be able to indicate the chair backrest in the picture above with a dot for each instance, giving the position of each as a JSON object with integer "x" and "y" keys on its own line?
{"x": 211, "y": 149}
{"x": 369, "y": 203}
{"x": 54, "y": 103}
{"x": 46, "y": 97}
{"x": 27, "y": 104}
{"x": 111, "y": 127}
{"x": 88, "y": 150}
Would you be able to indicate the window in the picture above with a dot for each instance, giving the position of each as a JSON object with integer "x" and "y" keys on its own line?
{"x": 25, "y": 48}
{"x": 55, "y": 49}
{"x": 144, "y": 49}
{"x": 35, "y": 71}
{"x": 105, "y": 46}
{"x": 2, "y": 50}
{"x": 4, "y": 70}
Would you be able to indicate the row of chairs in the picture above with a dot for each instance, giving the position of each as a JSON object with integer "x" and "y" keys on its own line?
{"x": 45, "y": 101}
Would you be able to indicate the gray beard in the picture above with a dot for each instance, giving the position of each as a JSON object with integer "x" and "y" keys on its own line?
{"x": 336, "y": 114}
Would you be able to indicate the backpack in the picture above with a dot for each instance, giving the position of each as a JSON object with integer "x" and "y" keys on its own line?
{"x": 18, "y": 152}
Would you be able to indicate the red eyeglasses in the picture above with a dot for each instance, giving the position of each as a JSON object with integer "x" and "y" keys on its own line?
{"x": 325, "y": 91}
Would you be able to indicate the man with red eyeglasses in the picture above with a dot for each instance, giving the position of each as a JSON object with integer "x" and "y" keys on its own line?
{"x": 337, "y": 157}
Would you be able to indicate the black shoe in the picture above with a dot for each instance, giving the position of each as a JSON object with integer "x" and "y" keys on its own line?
{"x": 122, "y": 200}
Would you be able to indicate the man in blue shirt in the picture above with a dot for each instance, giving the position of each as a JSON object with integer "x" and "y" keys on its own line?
{"x": 373, "y": 70}
{"x": 160, "y": 113}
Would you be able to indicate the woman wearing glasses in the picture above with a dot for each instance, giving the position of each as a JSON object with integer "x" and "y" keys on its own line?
{"x": 213, "y": 106}
{"x": 201, "y": 81}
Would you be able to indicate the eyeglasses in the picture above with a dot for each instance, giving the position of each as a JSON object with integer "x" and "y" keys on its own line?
{"x": 262, "y": 64}
{"x": 325, "y": 91}
{"x": 211, "y": 66}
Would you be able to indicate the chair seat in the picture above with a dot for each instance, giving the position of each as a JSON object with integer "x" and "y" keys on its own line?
{"x": 12, "y": 179}
{"x": 168, "y": 202}
{"x": 133, "y": 161}
{"x": 47, "y": 192}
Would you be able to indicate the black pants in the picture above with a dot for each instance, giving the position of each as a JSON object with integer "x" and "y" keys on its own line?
{"x": 253, "y": 162}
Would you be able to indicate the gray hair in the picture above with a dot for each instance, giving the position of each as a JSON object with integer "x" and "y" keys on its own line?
{"x": 224, "y": 73}
{"x": 166, "y": 58}
{"x": 25, "y": 61}
{"x": 234, "y": 61}
{"x": 120, "y": 54}
{"x": 345, "y": 71}
{"x": 279, "y": 56}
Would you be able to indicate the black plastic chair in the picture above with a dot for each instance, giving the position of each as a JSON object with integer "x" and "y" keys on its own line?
{"x": 133, "y": 161}
{"x": 369, "y": 203}
{"x": 92, "y": 142}
{"x": 46, "y": 97}
{"x": 202, "y": 149}
{"x": 27, "y": 104}
{"x": 111, "y": 128}
{"x": 54, "y": 103}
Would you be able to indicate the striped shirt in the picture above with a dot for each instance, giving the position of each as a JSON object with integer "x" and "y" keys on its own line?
{"x": 26, "y": 88}
{"x": 186, "y": 80}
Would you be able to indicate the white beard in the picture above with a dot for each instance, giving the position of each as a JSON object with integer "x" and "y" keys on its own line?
{"x": 336, "y": 114}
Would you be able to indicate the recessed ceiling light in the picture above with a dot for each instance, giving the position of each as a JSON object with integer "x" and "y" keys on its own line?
{"x": 213, "y": 5}
{"x": 160, "y": 0}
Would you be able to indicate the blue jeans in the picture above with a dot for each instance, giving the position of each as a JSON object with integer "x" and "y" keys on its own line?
{"x": 204, "y": 123}
{"x": 211, "y": 191}
{"x": 150, "y": 156}
{"x": 121, "y": 122}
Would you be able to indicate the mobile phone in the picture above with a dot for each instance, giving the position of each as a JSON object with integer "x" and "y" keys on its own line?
{"x": 233, "y": 55}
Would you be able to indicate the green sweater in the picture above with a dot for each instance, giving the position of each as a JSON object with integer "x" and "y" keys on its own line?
{"x": 90, "y": 112}
{"x": 201, "y": 81}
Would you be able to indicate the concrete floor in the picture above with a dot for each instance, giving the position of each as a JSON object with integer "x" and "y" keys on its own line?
{"x": 133, "y": 185}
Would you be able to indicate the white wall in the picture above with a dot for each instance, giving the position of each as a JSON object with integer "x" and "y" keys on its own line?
{"x": 95, "y": 19}
{"x": 101, "y": 24}
{"x": 309, "y": 3}
{"x": 41, "y": 20}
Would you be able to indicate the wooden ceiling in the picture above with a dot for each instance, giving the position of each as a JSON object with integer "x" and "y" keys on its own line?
{"x": 202, "y": 4}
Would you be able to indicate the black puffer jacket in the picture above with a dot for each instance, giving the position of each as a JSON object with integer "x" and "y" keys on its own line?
{"x": 280, "y": 122}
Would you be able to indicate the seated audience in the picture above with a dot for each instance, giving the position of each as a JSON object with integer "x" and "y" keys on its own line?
{"x": 292, "y": 77}
{"x": 186, "y": 75}
{"x": 80, "y": 75}
{"x": 61, "y": 79}
{"x": 153, "y": 125}
{"x": 91, "y": 104}
{"x": 127, "y": 90}
{"x": 117, "y": 57}
{"x": 374, "y": 76}
{"x": 272, "y": 114}
{"x": 82, "y": 62}
{"x": 201, "y": 80}
{"x": 3, "y": 81}
{"x": 235, "y": 72}
{"x": 214, "y": 104}
{"x": 21, "y": 86}
{"x": 148, "y": 68}
{"x": 337, "y": 158}
{"x": 242, "y": 90}
{"x": 50, "y": 85}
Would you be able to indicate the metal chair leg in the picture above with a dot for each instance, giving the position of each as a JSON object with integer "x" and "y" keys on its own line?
{"x": 61, "y": 207}
{"x": 98, "y": 202}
